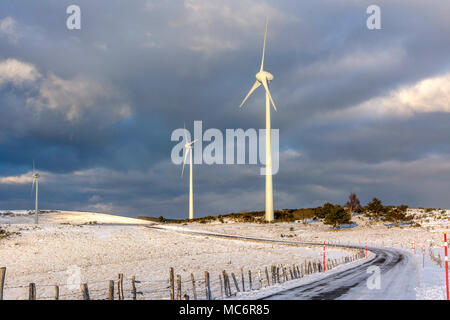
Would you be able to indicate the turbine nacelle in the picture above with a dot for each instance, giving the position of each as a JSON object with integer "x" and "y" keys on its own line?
{"x": 264, "y": 75}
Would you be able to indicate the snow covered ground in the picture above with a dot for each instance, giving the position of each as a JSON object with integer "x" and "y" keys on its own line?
{"x": 69, "y": 248}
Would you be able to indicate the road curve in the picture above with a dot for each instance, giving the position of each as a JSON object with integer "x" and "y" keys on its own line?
{"x": 397, "y": 270}
{"x": 393, "y": 265}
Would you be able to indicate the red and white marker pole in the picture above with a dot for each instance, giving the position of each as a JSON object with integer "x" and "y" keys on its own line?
{"x": 324, "y": 266}
{"x": 366, "y": 249}
{"x": 383, "y": 244}
{"x": 423, "y": 260}
{"x": 446, "y": 263}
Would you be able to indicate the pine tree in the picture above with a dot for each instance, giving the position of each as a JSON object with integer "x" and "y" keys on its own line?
{"x": 336, "y": 215}
{"x": 376, "y": 209}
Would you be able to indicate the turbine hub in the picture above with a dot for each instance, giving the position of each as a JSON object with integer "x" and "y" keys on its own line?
{"x": 36, "y": 175}
{"x": 260, "y": 76}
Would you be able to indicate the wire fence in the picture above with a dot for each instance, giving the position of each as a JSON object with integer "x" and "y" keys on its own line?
{"x": 227, "y": 284}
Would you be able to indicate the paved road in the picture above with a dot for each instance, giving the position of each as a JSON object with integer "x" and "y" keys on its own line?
{"x": 397, "y": 281}
{"x": 397, "y": 270}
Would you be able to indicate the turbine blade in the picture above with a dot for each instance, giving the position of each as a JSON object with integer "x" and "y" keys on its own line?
{"x": 266, "y": 86}
{"x": 264, "y": 46}
{"x": 255, "y": 85}
{"x": 184, "y": 162}
{"x": 33, "y": 166}
{"x": 185, "y": 136}
{"x": 191, "y": 143}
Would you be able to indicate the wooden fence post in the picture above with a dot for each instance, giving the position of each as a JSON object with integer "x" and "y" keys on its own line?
{"x": 56, "y": 292}
{"x": 172, "y": 284}
{"x": 111, "y": 290}
{"x": 193, "y": 286}
{"x": 221, "y": 286}
{"x": 185, "y": 297}
{"x": 243, "y": 281}
{"x": 278, "y": 274}
{"x": 133, "y": 287}
{"x": 2, "y": 281}
{"x": 225, "y": 285}
{"x": 207, "y": 286}
{"x": 32, "y": 292}
{"x": 235, "y": 282}
{"x": 228, "y": 285}
{"x": 267, "y": 277}
{"x": 178, "y": 287}
{"x": 250, "y": 283}
{"x": 85, "y": 291}
{"x": 259, "y": 278}
{"x": 119, "y": 287}
{"x": 273, "y": 275}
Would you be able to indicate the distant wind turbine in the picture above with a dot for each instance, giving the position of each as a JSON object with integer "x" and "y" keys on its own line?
{"x": 188, "y": 150}
{"x": 264, "y": 78}
{"x": 36, "y": 177}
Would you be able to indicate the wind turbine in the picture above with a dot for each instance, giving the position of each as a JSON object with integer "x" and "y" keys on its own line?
{"x": 188, "y": 150}
{"x": 36, "y": 177}
{"x": 264, "y": 78}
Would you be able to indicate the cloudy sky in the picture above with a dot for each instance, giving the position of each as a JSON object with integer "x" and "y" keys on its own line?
{"x": 365, "y": 111}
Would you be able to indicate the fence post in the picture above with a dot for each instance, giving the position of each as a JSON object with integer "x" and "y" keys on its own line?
{"x": 225, "y": 284}
{"x": 446, "y": 263}
{"x": 178, "y": 287}
{"x": 2, "y": 281}
{"x": 111, "y": 290}
{"x": 119, "y": 288}
{"x": 259, "y": 278}
{"x": 221, "y": 286}
{"x": 193, "y": 286}
{"x": 85, "y": 291}
{"x": 133, "y": 287}
{"x": 207, "y": 286}
{"x": 56, "y": 293}
{"x": 250, "y": 283}
{"x": 172, "y": 285}
{"x": 273, "y": 275}
{"x": 278, "y": 275}
{"x": 185, "y": 297}
{"x": 229, "y": 285}
{"x": 267, "y": 277}
{"x": 243, "y": 281}
{"x": 235, "y": 282}
{"x": 32, "y": 292}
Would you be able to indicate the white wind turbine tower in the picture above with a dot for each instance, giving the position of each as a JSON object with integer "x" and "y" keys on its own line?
{"x": 188, "y": 150}
{"x": 36, "y": 177}
{"x": 264, "y": 78}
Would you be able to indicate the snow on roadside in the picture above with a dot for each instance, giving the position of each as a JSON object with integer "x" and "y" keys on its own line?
{"x": 70, "y": 254}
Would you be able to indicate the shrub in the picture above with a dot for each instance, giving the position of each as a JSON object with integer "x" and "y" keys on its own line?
{"x": 398, "y": 214}
{"x": 375, "y": 209}
{"x": 336, "y": 215}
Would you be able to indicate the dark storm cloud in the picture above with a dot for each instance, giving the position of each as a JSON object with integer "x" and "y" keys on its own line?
{"x": 98, "y": 109}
